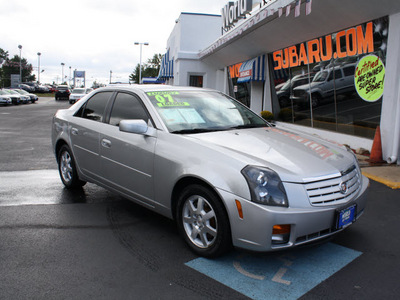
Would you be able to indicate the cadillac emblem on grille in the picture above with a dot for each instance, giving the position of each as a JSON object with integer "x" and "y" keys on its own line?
{"x": 343, "y": 187}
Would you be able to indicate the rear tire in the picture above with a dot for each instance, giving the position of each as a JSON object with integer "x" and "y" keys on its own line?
{"x": 315, "y": 100}
{"x": 67, "y": 169}
{"x": 203, "y": 221}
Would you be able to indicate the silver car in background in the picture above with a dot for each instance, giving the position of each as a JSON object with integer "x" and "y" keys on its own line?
{"x": 78, "y": 93}
{"x": 226, "y": 176}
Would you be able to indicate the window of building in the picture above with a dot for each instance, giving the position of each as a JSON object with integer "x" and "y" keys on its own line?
{"x": 239, "y": 91}
{"x": 196, "y": 80}
{"x": 328, "y": 98}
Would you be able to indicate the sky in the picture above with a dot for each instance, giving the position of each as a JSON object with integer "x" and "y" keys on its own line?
{"x": 96, "y": 36}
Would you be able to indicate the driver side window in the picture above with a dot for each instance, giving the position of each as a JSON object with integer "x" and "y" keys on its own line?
{"x": 127, "y": 107}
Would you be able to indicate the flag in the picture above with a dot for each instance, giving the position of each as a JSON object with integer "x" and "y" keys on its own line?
{"x": 308, "y": 7}
{"x": 297, "y": 8}
{"x": 287, "y": 10}
{"x": 280, "y": 12}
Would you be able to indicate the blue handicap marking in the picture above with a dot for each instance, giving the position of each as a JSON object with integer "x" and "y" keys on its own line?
{"x": 287, "y": 275}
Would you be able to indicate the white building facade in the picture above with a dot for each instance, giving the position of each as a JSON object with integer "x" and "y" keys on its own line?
{"x": 329, "y": 67}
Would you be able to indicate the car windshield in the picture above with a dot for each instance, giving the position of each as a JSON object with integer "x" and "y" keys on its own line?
{"x": 201, "y": 111}
{"x": 12, "y": 92}
{"x": 21, "y": 92}
{"x": 321, "y": 76}
{"x": 286, "y": 86}
{"x": 78, "y": 91}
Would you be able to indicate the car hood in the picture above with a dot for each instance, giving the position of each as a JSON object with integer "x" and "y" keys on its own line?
{"x": 311, "y": 85}
{"x": 296, "y": 157}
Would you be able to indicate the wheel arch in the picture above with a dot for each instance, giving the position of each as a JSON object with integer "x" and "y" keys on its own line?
{"x": 189, "y": 180}
{"x": 59, "y": 144}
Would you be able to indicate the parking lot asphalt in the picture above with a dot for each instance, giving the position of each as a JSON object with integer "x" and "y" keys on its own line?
{"x": 58, "y": 244}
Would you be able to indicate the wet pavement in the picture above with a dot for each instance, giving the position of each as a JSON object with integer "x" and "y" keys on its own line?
{"x": 39, "y": 187}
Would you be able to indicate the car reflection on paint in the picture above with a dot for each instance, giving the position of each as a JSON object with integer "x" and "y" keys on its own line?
{"x": 226, "y": 176}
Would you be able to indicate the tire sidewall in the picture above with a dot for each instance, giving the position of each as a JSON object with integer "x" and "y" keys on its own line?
{"x": 223, "y": 240}
{"x": 74, "y": 182}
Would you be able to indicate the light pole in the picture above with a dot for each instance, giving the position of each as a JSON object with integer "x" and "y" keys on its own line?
{"x": 70, "y": 76}
{"x": 110, "y": 75}
{"x": 62, "y": 72}
{"x": 38, "y": 71}
{"x": 140, "y": 66}
{"x": 20, "y": 63}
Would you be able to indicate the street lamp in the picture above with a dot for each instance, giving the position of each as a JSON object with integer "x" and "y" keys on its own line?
{"x": 38, "y": 70}
{"x": 140, "y": 66}
{"x": 62, "y": 72}
{"x": 110, "y": 75}
{"x": 20, "y": 63}
{"x": 70, "y": 76}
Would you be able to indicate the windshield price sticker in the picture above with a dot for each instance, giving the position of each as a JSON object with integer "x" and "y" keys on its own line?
{"x": 162, "y": 93}
{"x": 172, "y": 104}
{"x": 165, "y": 99}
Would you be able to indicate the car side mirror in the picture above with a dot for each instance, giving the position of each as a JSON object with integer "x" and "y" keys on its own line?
{"x": 135, "y": 126}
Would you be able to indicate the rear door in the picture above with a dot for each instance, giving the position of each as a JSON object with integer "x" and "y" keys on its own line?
{"x": 127, "y": 159}
{"x": 85, "y": 132}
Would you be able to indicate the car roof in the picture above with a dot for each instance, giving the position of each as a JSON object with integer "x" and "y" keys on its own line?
{"x": 154, "y": 87}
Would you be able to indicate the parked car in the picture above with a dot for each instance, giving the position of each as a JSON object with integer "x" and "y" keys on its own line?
{"x": 33, "y": 85}
{"x": 78, "y": 93}
{"x": 224, "y": 174}
{"x": 26, "y": 87}
{"x": 62, "y": 92}
{"x": 33, "y": 98}
{"x": 324, "y": 84}
{"x": 42, "y": 89}
{"x": 286, "y": 91}
{"x": 15, "y": 99}
{"x": 23, "y": 98}
{"x": 52, "y": 88}
{"x": 5, "y": 99}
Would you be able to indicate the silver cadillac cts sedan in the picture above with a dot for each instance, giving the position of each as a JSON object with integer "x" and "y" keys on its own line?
{"x": 225, "y": 175}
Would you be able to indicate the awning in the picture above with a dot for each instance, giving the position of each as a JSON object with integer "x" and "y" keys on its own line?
{"x": 167, "y": 67}
{"x": 252, "y": 70}
{"x": 152, "y": 80}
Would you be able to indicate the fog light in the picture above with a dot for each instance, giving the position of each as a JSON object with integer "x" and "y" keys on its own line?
{"x": 280, "y": 234}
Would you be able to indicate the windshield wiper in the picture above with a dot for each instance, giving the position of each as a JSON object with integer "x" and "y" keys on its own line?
{"x": 249, "y": 126}
{"x": 197, "y": 130}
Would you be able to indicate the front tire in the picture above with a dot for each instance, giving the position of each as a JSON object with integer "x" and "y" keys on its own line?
{"x": 67, "y": 169}
{"x": 203, "y": 221}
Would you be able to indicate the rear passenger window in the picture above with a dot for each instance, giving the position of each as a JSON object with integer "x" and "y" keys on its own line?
{"x": 127, "y": 107}
{"x": 95, "y": 107}
{"x": 349, "y": 71}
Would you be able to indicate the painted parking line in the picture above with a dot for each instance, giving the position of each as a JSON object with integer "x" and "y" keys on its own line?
{"x": 286, "y": 275}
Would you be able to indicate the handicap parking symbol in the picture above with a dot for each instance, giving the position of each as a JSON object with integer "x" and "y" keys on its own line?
{"x": 287, "y": 275}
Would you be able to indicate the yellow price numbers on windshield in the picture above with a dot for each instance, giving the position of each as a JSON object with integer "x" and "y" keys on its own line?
{"x": 166, "y": 100}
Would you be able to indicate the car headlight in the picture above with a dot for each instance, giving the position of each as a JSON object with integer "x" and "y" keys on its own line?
{"x": 265, "y": 186}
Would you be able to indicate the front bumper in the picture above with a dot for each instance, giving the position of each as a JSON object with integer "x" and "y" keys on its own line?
{"x": 307, "y": 224}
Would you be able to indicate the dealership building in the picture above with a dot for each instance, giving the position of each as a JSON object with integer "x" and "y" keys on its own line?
{"x": 325, "y": 67}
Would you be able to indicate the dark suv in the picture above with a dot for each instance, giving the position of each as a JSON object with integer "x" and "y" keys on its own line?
{"x": 62, "y": 92}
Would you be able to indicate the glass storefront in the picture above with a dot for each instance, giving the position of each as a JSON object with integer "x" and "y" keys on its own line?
{"x": 238, "y": 90}
{"x": 334, "y": 82}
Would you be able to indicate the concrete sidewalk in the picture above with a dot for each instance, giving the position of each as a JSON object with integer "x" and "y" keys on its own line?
{"x": 384, "y": 173}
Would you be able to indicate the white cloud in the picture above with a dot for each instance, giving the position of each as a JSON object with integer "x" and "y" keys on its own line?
{"x": 92, "y": 35}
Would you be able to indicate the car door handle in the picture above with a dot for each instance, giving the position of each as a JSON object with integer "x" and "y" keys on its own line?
{"x": 106, "y": 143}
{"x": 74, "y": 131}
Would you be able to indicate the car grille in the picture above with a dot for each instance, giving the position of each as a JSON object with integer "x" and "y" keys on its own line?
{"x": 336, "y": 190}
